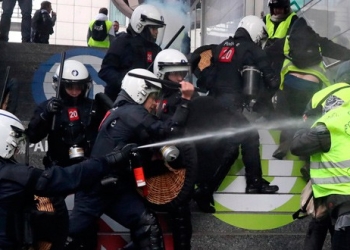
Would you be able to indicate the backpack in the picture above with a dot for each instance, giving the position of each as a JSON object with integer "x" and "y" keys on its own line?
{"x": 99, "y": 31}
{"x": 304, "y": 47}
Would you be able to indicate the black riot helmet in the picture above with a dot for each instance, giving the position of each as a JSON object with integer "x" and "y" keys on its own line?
{"x": 279, "y": 4}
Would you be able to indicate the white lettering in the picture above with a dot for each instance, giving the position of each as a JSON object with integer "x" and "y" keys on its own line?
{"x": 39, "y": 147}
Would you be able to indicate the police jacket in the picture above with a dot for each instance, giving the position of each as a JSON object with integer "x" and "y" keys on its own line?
{"x": 169, "y": 102}
{"x": 130, "y": 122}
{"x": 19, "y": 183}
{"x": 228, "y": 60}
{"x": 128, "y": 51}
{"x": 76, "y": 125}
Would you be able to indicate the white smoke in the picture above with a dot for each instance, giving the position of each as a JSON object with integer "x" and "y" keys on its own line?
{"x": 176, "y": 14}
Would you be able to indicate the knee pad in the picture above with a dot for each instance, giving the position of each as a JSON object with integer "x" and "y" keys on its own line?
{"x": 147, "y": 233}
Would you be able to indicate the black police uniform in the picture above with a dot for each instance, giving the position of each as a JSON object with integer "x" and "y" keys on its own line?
{"x": 224, "y": 81}
{"x": 181, "y": 214}
{"x": 76, "y": 124}
{"x": 19, "y": 183}
{"x": 128, "y": 51}
{"x": 128, "y": 122}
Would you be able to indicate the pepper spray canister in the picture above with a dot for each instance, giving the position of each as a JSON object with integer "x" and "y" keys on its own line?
{"x": 138, "y": 171}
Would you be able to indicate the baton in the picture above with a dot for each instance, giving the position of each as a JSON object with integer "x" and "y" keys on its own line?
{"x": 174, "y": 37}
{"x": 166, "y": 83}
{"x": 63, "y": 58}
{"x": 5, "y": 86}
{"x": 170, "y": 42}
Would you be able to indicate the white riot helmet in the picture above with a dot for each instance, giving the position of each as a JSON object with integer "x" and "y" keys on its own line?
{"x": 12, "y": 135}
{"x": 170, "y": 60}
{"x": 147, "y": 15}
{"x": 139, "y": 89}
{"x": 255, "y": 26}
{"x": 74, "y": 73}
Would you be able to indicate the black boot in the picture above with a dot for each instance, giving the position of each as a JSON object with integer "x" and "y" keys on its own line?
{"x": 282, "y": 150}
{"x": 204, "y": 199}
{"x": 260, "y": 186}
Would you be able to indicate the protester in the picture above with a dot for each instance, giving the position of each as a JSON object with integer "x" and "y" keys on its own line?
{"x": 327, "y": 143}
{"x": 297, "y": 82}
{"x": 100, "y": 32}
{"x": 43, "y": 22}
{"x": 337, "y": 94}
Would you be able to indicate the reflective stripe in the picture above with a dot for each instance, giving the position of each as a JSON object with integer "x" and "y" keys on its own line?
{"x": 330, "y": 171}
{"x": 332, "y": 180}
{"x": 326, "y": 165}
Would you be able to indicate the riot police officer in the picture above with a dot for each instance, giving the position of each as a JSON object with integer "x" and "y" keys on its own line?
{"x": 130, "y": 121}
{"x": 19, "y": 183}
{"x": 70, "y": 124}
{"x": 172, "y": 65}
{"x": 75, "y": 125}
{"x": 136, "y": 48}
{"x": 225, "y": 83}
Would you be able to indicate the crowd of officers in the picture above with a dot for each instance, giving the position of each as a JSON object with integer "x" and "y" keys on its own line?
{"x": 93, "y": 144}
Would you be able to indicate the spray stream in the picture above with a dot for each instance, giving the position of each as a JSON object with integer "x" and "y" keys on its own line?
{"x": 227, "y": 132}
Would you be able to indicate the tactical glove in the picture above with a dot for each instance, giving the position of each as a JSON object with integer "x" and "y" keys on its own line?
{"x": 119, "y": 155}
{"x": 54, "y": 106}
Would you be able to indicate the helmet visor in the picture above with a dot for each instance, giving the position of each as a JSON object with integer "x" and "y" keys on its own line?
{"x": 178, "y": 74}
{"x": 74, "y": 85}
{"x": 19, "y": 139}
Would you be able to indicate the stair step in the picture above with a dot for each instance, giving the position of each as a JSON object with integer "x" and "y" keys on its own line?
{"x": 287, "y": 185}
{"x": 271, "y": 167}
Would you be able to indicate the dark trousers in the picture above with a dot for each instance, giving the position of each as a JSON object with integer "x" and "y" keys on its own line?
{"x": 246, "y": 139}
{"x": 26, "y": 10}
{"x": 341, "y": 239}
{"x": 317, "y": 232}
{"x": 124, "y": 206}
{"x": 292, "y": 101}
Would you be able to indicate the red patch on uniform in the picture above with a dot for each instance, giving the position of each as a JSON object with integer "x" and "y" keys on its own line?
{"x": 104, "y": 118}
{"x": 163, "y": 106}
{"x": 226, "y": 54}
{"x": 149, "y": 56}
{"x": 73, "y": 114}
